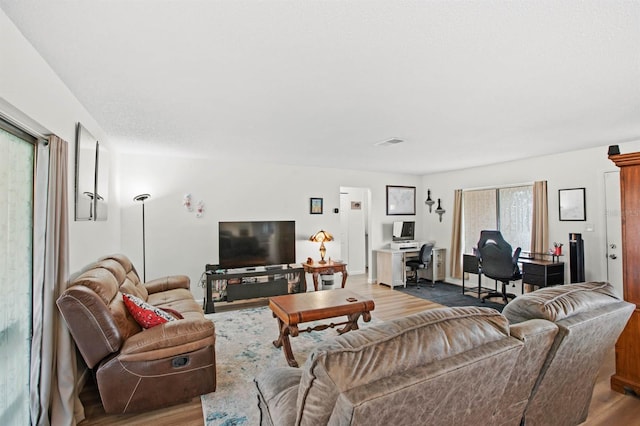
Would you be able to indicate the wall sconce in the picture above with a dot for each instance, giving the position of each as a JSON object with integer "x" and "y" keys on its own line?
{"x": 320, "y": 237}
{"x": 200, "y": 209}
{"x": 439, "y": 210}
{"x": 429, "y": 201}
{"x": 186, "y": 202}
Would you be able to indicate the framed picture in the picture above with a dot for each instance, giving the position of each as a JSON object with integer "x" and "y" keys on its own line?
{"x": 573, "y": 205}
{"x": 315, "y": 205}
{"x": 401, "y": 200}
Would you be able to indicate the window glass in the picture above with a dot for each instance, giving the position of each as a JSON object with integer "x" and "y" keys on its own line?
{"x": 479, "y": 213}
{"x": 516, "y": 210}
{"x": 510, "y": 210}
{"x": 16, "y": 222}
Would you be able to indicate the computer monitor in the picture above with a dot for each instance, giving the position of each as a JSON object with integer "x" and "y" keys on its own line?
{"x": 403, "y": 231}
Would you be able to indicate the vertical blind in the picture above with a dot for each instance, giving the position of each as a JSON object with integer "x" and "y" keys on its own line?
{"x": 509, "y": 210}
{"x": 16, "y": 237}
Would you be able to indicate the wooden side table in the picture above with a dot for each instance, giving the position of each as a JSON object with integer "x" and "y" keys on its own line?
{"x": 330, "y": 267}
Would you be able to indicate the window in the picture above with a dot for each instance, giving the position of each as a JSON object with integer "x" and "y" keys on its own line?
{"x": 16, "y": 223}
{"x": 508, "y": 209}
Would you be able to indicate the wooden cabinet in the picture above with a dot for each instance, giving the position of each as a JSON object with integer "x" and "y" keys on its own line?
{"x": 391, "y": 266}
{"x": 542, "y": 273}
{"x": 438, "y": 264}
{"x": 627, "y": 376}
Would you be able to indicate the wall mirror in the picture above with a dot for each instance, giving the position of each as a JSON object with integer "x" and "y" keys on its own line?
{"x": 92, "y": 177}
{"x": 86, "y": 149}
{"x": 102, "y": 183}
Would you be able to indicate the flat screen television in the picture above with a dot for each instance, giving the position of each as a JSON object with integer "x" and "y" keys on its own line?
{"x": 403, "y": 231}
{"x": 256, "y": 243}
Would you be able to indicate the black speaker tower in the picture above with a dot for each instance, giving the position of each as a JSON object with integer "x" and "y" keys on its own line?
{"x": 576, "y": 258}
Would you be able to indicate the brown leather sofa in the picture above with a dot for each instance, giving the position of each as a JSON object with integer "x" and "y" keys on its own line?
{"x": 139, "y": 369}
{"x": 455, "y": 366}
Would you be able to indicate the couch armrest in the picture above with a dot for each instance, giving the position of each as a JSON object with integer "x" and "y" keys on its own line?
{"x": 169, "y": 339}
{"x": 167, "y": 283}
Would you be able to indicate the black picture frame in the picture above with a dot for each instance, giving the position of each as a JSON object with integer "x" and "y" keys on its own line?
{"x": 401, "y": 200}
{"x": 315, "y": 205}
{"x": 572, "y": 205}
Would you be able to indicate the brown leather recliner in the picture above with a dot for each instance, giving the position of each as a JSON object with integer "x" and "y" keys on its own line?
{"x": 139, "y": 369}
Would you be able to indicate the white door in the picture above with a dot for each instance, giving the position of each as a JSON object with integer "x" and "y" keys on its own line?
{"x": 344, "y": 229}
{"x": 353, "y": 234}
{"x": 614, "y": 229}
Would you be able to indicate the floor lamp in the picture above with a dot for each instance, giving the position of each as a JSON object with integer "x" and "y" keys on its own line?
{"x": 142, "y": 198}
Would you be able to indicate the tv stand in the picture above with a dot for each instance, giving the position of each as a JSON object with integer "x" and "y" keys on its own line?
{"x": 251, "y": 283}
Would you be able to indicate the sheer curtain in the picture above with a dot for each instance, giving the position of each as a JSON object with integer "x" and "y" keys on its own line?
{"x": 54, "y": 398}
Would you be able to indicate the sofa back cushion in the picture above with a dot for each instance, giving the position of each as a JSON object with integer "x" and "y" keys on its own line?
{"x": 397, "y": 348}
{"x": 95, "y": 314}
{"x": 590, "y": 317}
{"x": 126, "y": 274}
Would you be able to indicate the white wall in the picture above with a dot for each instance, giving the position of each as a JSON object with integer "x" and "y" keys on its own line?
{"x": 31, "y": 92}
{"x": 583, "y": 168}
{"x": 179, "y": 243}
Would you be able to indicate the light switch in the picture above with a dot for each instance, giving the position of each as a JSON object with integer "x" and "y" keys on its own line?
{"x": 588, "y": 227}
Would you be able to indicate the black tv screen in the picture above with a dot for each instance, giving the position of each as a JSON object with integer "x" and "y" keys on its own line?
{"x": 249, "y": 244}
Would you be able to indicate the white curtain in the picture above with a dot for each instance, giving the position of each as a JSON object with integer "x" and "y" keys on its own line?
{"x": 54, "y": 399}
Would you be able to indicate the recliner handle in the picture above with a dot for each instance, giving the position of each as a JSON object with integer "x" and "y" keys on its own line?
{"x": 180, "y": 361}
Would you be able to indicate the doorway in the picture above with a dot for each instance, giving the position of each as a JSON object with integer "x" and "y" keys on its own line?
{"x": 354, "y": 229}
{"x": 613, "y": 220}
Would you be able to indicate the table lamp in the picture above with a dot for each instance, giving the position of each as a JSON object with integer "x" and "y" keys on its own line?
{"x": 320, "y": 237}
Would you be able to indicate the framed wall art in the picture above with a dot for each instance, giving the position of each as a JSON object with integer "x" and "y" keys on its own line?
{"x": 573, "y": 205}
{"x": 401, "y": 200}
{"x": 315, "y": 205}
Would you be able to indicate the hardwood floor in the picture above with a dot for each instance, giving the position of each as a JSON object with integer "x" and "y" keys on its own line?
{"x": 607, "y": 407}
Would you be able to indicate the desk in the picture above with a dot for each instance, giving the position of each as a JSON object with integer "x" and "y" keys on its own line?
{"x": 326, "y": 268}
{"x": 391, "y": 267}
{"x": 471, "y": 265}
{"x": 541, "y": 273}
{"x": 535, "y": 272}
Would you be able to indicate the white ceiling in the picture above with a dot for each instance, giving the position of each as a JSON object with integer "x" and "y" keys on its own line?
{"x": 463, "y": 83}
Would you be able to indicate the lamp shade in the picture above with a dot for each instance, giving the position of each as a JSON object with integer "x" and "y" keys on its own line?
{"x": 320, "y": 237}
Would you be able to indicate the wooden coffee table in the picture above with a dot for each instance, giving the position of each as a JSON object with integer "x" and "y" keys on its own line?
{"x": 293, "y": 309}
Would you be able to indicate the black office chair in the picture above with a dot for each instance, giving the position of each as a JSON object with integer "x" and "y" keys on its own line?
{"x": 499, "y": 262}
{"x": 422, "y": 262}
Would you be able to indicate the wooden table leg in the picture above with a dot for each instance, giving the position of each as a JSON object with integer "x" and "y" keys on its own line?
{"x": 352, "y": 323}
{"x": 315, "y": 281}
{"x": 283, "y": 341}
{"x": 344, "y": 277}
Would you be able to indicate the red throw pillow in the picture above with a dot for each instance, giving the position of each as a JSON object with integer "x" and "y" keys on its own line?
{"x": 145, "y": 314}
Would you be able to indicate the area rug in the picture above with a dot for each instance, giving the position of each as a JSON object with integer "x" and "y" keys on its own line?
{"x": 448, "y": 295}
{"x": 244, "y": 348}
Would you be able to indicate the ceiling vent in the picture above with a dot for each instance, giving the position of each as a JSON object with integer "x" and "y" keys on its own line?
{"x": 389, "y": 142}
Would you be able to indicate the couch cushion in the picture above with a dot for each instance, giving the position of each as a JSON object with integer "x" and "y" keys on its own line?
{"x": 398, "y": 345}
{"x": 129, "y": 282}
{"x": 559, "y": 302}
{"x": 179, "y": 299}
{"x": 277, "y": 394}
